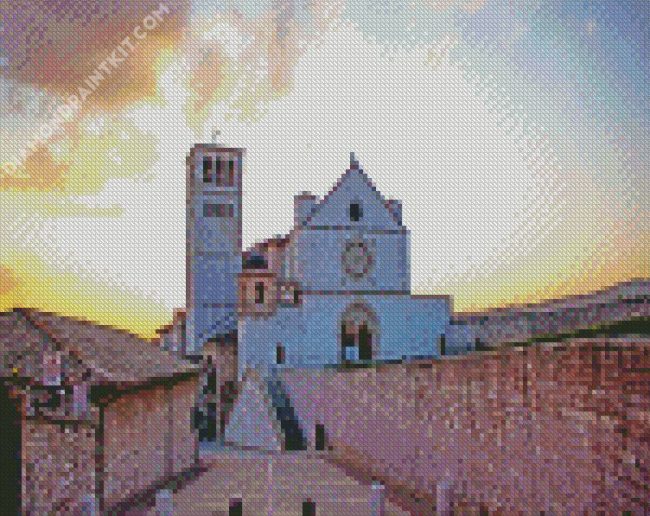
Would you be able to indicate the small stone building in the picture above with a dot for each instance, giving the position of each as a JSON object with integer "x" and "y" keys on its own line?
{"x": 91, "y": 417}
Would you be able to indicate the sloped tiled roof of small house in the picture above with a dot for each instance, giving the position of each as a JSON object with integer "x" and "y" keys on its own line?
{"x": 19, "y": 345}
{"x": 113, "y": 356}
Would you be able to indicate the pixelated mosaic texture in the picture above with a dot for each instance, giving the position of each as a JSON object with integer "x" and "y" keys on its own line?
{"x": 474, "y": 342}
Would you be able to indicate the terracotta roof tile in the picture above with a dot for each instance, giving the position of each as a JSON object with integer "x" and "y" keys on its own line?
{"x": 114, "y": 356}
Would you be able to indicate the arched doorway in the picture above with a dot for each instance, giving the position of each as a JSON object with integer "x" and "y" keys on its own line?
{"x": 359, "y": 334}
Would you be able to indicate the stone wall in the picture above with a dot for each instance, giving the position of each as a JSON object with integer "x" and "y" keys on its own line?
{"x": 148, "y": 437}
{"x": 58, "y": 466}
{"x": 135, "y": 430}
{"x": 554, "y": 428}
{"x": 220, "y": 359}
{"x": 184, "y": 437}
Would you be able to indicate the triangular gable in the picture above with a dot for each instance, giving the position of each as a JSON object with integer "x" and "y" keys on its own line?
{"x": 354, "y": 185}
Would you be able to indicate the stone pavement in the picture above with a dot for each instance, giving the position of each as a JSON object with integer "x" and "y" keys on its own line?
{"x": 274, "y": 483}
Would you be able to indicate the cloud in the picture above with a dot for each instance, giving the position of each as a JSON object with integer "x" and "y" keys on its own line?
{"x": 57, "y": 45}
{"x": 8, "y": 281}
{"x": 40, "y": 172}
{"x": 245, "y": 62}
{"x": 470, "y": 6}
{"x": 92, "y": 152}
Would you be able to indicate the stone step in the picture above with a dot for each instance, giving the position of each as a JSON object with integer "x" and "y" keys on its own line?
{"x": 295, "y": 478}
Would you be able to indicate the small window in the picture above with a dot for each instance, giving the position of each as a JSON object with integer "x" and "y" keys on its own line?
{"x": 231, "y": 173}
{"x": 355, "y": 212}
{"x": 218, "y": 172}
{"x": 279, "y": 354}
{"x": 207, "y": 169}
{"x": 211, "y": 387}
{"x": 218, "y": 210}
{"x": 296, "y": 297}
{"x": 209, "y": 210}
{"x": 259, "y": 293}
{"x": 443, "y": 345}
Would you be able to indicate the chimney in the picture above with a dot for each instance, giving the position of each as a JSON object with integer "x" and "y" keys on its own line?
{"x": 395, "y": 207}
{"x": 302, "y": 206}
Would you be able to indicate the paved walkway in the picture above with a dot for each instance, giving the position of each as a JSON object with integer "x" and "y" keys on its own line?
{"x": 274, "y": 483}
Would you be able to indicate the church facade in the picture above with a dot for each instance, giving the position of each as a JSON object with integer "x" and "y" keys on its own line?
{"x": 336, "y": 289}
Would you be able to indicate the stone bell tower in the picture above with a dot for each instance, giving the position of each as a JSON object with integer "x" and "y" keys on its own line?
{"x": 214, "y": 240}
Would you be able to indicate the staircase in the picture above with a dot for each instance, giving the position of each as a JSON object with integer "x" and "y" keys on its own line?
{"x": 293, "y": 436}
{"x": 275, "y": 483}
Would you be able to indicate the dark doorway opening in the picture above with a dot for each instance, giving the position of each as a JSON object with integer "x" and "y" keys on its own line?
{"x": 308, "y": 508}
{"x": 235, "y": 507}
{"x": 211, "y": 427}
{"x": 443, "y": 346}
{"x": 359, "y": 335}
{"x": 356, "y": 343}
{"x": 10, "y": 453}
{"x": 365, "y": 343}
{"x": 320, "y": 437}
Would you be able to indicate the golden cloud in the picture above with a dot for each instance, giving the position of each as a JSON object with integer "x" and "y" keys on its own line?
{"x": 81, "y": 161}
{"x": 40, "y": 172}
{"x": 8, "y": 280}
{"x": 58, "y": 46}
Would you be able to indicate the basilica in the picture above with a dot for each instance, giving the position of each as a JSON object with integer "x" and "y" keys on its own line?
{"x": 335, "y": 290}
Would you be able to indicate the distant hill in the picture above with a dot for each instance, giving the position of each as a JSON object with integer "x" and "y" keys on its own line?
{"x": 623, "y": 309}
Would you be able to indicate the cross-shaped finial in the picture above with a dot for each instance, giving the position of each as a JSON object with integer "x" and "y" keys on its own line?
{"x": 353, "y": 161}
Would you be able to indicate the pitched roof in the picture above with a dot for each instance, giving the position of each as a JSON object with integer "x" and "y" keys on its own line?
{"x": 354, "y": 168}
{"x": 113, "y": 356}
{"x": 19, "y": 346}
{"x": 283, "y": 240}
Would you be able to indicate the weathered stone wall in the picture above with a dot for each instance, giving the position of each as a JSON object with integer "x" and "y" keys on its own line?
{"x": 184, "y": 437}
{"x": 58, "y": 466}
{"x": 554, "y": 428}
{"x": 148, "y": 436}
{"x": 135, "y": 429}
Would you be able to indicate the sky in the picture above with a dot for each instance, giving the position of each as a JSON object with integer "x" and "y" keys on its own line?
{"x": 515, "y": 133}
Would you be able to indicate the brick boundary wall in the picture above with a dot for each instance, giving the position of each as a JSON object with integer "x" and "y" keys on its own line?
{"x": 58, "y": 466}
{"x": 148, "y": 438}
{"x": 560, "y": 428}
